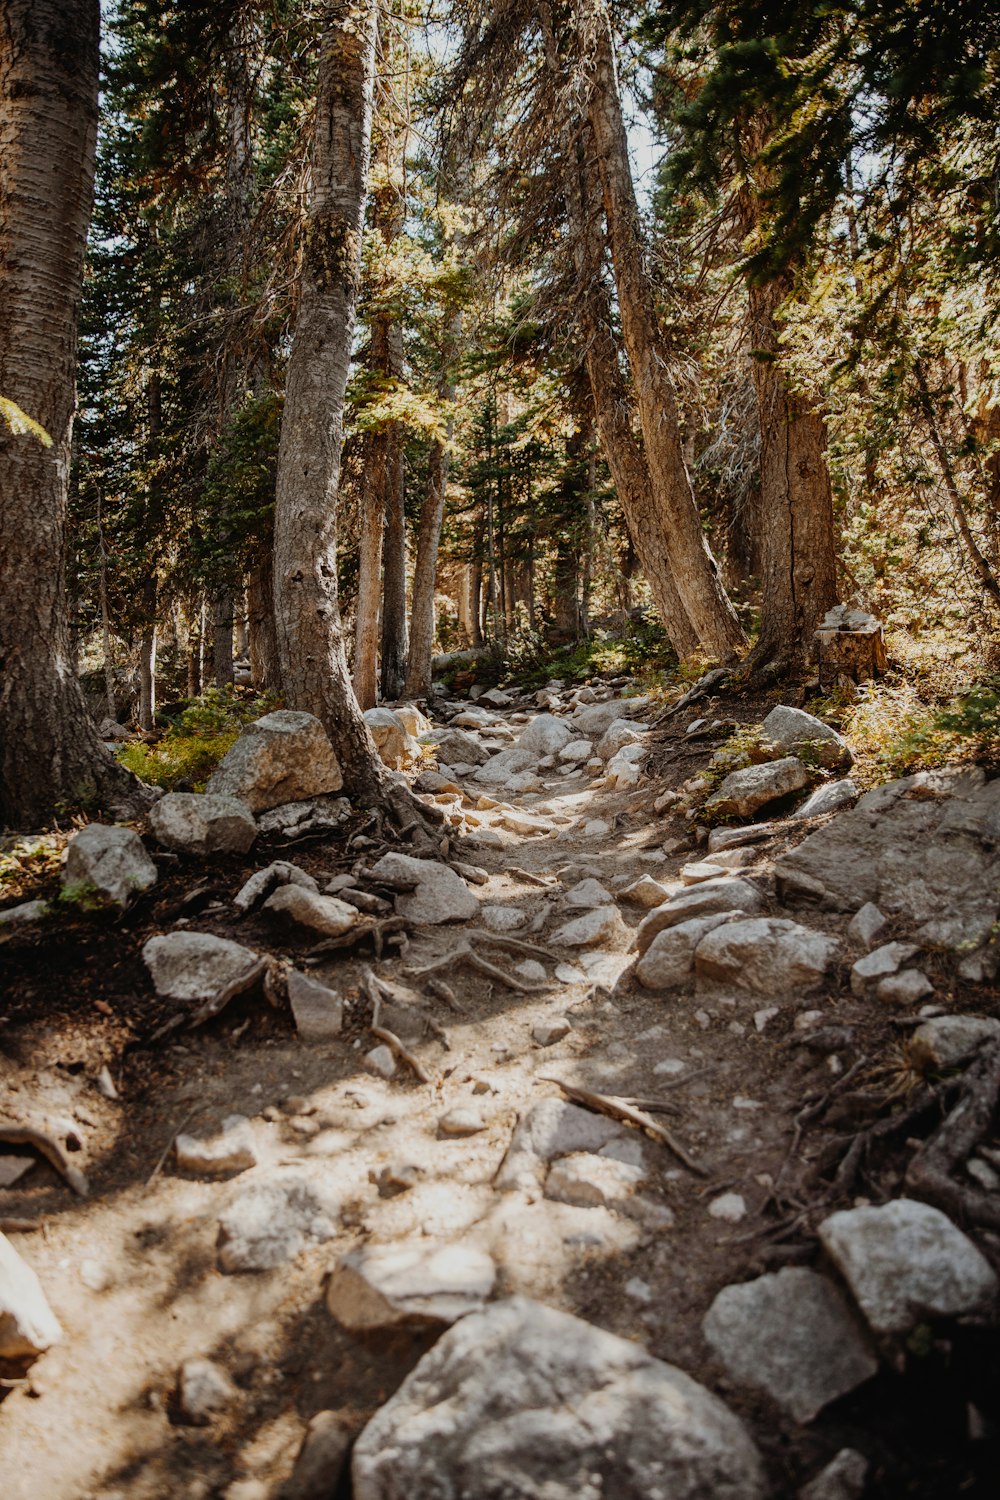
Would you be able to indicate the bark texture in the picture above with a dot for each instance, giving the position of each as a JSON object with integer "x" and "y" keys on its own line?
{"x": 49, "y": 752}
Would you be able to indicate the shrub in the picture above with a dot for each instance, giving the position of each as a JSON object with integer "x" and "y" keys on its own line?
{"x": 197, "y": 738}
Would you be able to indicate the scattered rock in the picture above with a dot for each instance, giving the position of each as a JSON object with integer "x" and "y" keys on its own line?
{"x": 204, "y": 1391}
{"x": 106, "y": 866}
{"x": 293, "y": 820}
{"x": 547, "y": 1033}
{"x": 587, "y": 895}
{"x": 324, "y": 915}
{"x": 731, "y": 1208}
{"x": 439, "y": 895}
{"x": 829, "y": 798}
{"x": 906, "y": 1262}
{"x": 193, "y": 824}
{"x": 880, "y": 962}
{"x": 230, "y": 1150}
{"x": 602, "y": 925}
{"x": 570, "y": 974}
{"x": 596, "y": 719}
{"x": 524, "y": 823}
{"x": 270, "y": 1223}
{"x": 791, "y": 730}
{"x": 596, "y": 828}
{"x": 395, "y": 746}
{"x": 194, "y": 965}
{"x": 283, "y": 757}
{"x": 619, "y": 733}
{"x": 280, "y": 872}
{"x": 24, "y": 914}
{"x": 728, "y": 895}
{"x": 725, "y": 838}
{"x": 381, "y": 1286}
{"x": 745, "y": 792}
{"x": 842, "y": 1479}
{"x": 669, "y": 959}
{"x": 591, "y": 1181}
{"x": 701, "y": 870}
{"x": 528, "y": 1401}
{"x": 575, "y": 752}
{"x": 792, "y": 1335}
{"x": 317, "y": 1010}
{"x": 461, "y": 1122}
{"x": 946, "y": 1041}
{"x": 531, "y": 969}
{"x": 646, "y": 892}
{"x": 27, "y": 1324}
{"x": 499, "y": 769}
{"x": 456, "y": 746}
{"x": 502, "y": 918}
{"x": 765, "y": 954}
{"x": 381, "y": 1061}
{"x": 321, "y": 1459}
{"x": 866, "y": 926}
{"x": 907, "y": 987}
{"x": 550, "y": 1129}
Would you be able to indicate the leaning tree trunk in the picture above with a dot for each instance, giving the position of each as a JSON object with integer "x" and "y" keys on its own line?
{"x": 49, "y": 752}
{"x": 695, "y": 571}
{"x": 314, "y": 671}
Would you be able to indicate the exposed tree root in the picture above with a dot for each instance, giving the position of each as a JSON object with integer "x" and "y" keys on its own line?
{"x": 619, "y": 1109}
{"x": 929, "y": 1175}
{"x": 27, "y": 1135}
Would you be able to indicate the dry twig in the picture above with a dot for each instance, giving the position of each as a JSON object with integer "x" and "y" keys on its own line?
{"x": 617, "y": 1109}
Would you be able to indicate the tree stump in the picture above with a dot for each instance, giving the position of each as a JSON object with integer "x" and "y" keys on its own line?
{"x": 849, "y": 647}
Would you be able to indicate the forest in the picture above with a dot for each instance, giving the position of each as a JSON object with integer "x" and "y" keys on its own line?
{"x": 499, "y": 749}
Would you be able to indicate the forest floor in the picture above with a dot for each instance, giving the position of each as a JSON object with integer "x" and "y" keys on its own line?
{"x": 131, "y": 1270}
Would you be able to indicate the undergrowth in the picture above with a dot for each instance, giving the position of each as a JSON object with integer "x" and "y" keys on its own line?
{"x": 196, "y": 738}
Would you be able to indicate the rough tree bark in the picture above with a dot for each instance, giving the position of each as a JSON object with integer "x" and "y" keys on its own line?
{"x": 393, "y": 662}
{"x": 695, "y": 571}
{"x": 49, "y": 752}
{"x": 310, "y": 632}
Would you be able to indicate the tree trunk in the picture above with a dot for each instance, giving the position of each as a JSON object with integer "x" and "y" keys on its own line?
{"x": 49, "y": 752}
{"x": 147, "y": 656}
{"x": 265, "y": 671}
{"x": 310, "y": 632}
{"x": 393, "y": 664}
{"x": 368, "y": 601}
{"x": 422, "y": 623}
{"x": 222, "y": 637}
{"x": 694, "y": 568}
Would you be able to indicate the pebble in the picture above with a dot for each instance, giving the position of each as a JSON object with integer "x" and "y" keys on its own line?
{"x": 570, "y": 974}
{"x": 530, "y": 969}
{"x": 762, "y": 1017}
{"x": 204, "y": 1391}
{"x": 461, "y": 1122}
{"x": 381, "y": 1062}
{"x": 729, "y": 1207}
{"x": 546, "y": 1033}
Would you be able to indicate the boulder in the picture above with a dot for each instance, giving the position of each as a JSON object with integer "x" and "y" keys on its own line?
{"x": 408, "y": 1281}
{"x": 261, "y": 884}
{"x": 324, "y": 915}
{"x": 792, "y": 1335}
{"x": 769, "y": 955}
{"x": 729, "y": 894}
{"x": 317, "y": 1010}
{"x": 669, "y": 959}
{"x": 457, "y": 747}
{"x": 520, "y": 1401}
{"x": 396, "y": 748}
{"x": 27, "y": 1324}
{"x": 230, "y": 1150}
{"x": 545, "y": 735}
{"x": 792, "y": 731}
{"x": 601, "y": 925}
{"x": 745, "y": 792}
{"x": 194, "y": 965}
{"x": 878, "y": 963}
{"x": 283, "y": 757}
{"x": 106, "y": 866}
{"x": 499, "y": 769}
{"x": 619, "y": 733}
{"x": 828, "y": 798}
{"x": 906, "y": 1262}
{"x": 193, "y": 824}
{"x": 438, "y": 895}
{"x": 270, "y": 1223}
{"x": 596, "y": 719}
{"x": 946, "y": 1041}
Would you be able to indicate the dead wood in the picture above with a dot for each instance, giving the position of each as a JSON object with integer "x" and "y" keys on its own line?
{"x": 617, "y": 1109}
{"x": 38, "y": 1140}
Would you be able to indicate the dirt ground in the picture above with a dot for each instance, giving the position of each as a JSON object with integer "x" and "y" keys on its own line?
{"x": 131, "y": 1270}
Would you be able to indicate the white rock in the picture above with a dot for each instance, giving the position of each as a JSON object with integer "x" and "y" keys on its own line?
{"x": 669, "y": 959}
{"x": 701, "y": 870}
{"x": 946, "y": 1041}
{"x": 547, "y": 1033}
{"x": 497, "y": 697}
{"x": 586, "y": 895}
{"x": 766, "y": 954}
{"x": 575, "y": 751}
{"x": 27, "y": 1324}
{"x": 570, "y": 974}
{"x": 317, "y": 1010}
{"x": 321, "y": 914}
{"x": 193, "y": 824}
{"x": 843, "y": 1478}
{"x": 381, "y": 1061}
{"x": 294, "y": 819}
{"x": 280, "y": 872}
{"x": 828, "y": 798}
{"x": 456, "y": 747}
{"x": 381, "y": 1286}
{"x": 545, "y": 735}
{"x": 499, "y": 769}
{"x": 866, "y": 926}
{"x": 194, "y": 965}
{"x": 602, "y": 925}
{"x": 645, "y": 892}
{"x": 204, "y": 1391}
{"x": 395, "y": 746}
{"x": 531, "y": 969}
{"x": 597, "y": 718}
{"x": 730, "y": 1207}
{"x": 506, "y": 1390}
{"x": 744, "y": 792}
{"x": 413, "y": 721}
{"x": 283, "y": 757}
{"x": 793, "y": 1336}
{"x": 269, "y": 1223}
{"x": 439, "y": 894}
{"x": 548, "y": 1130}
{"x": 596, "y": 828}
{"x": 461, "y": 1121}
{"x": 502, "y": 918}
{"x": 879, "y": 963}
{"x": 905, "y": 1262}
{"x": 231, "y": 1150}
{"x": 619, "y": 733}
{"x": 524, "y": 781}
{"x": 106, "y": 866}
{"x": 908, "y": 987}
{"x": 590, "y": 1181}
{"x": 622, "y": 775}
{"x": 705, "y": 900}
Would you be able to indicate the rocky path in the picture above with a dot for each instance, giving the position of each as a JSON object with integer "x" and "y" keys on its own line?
{"x": 554, "y": 1151}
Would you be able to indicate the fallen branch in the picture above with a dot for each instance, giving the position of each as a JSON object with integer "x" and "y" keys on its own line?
{"x": 26, "y": 1135}
{"x": 466, "y": 954}
{"x": 215, "y": 1006}
{"x": 617, "y": 1109}
{"x": 547, "y": 885}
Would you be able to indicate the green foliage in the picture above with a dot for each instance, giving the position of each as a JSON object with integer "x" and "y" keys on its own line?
{"x": 197, "y": 738}
{"x": 29, "y": 864}
{"x": 975, "y": 717}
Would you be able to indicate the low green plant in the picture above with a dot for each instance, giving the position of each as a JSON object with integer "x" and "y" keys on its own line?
{"x": 197, "y": 738}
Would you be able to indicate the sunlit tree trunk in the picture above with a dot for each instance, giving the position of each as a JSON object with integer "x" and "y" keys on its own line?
{"x": 393, "y": 661}
{"x": 49, "y": 752}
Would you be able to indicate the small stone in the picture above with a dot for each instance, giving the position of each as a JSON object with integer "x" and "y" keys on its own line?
{"x": 701, "y": 870}
{"x": 269, "y": 1223}
{"x": 880, "y": 963}
{"x": 105, "y": 1084}
{"x": 382, "y": 1286}
{"x": 317, "y": 1010}
{"x": 725, "y": 838}
{"x": 204, "y": 1391}
{"x": 325, "y": 915}
{"x": 575, "y": 751}
{"x": 744, "y": 792}
{"x": 279, "y": 872}
{"x": 646, "y": 892}
{"x": 905, "y": 988}
{"x": 106, "y": 866}
{"x": 946, "y": 1041}
{"x": 866, "y": 926}
{"x": 531, "y": 969}
{"x": 27, "y": 1324}
{"x": 570, "y": 974}
{"x": 602, "y": 925}
{"x": 194, "y": 824}
{"x": 381, "y": 1062}
{"x": 461, "y": 1122}
{"x": 194, "y": 965}
{"x": 321, "y": 1459}
{"x": 982, "y": 1173}
{"x": 502, "y": 918}
{"x": 399, "y": 1179}
{"x": 596, "y": 828}
{"x": 231, "y": 1150}
{"x": 842, "y": 1479}
{"x": 762, "y": 1017}
{"x": 587, "y": 895}
{"x": 545, "y": 735}
{"x": 95, "y": 1276}
{"x": 591, "y": 1181}
{"x": 729, "y": 1207}
{"x": 829, "y": 798}
{"x": 793, "y": 1336}
{"x": 547, "y": 1033}
{"x": 905, "y": 1262}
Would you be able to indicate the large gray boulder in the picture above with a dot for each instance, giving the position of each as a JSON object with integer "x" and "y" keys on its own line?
{"x": 727, "y": 894}
{"x": 669, "y": 959}
{"x": 794, "y": 732}
{"x": 906, "y": 1262}
{"x": 194, "y": 965}
{"x": 27, "y": 1324}
{"x": 926, "y": 848}
{"x": 106, "y": 866}
{"x": 745, "y": 792}
{"x": 283, "y": 757}
{"x": 499, "y": 769}
{"x": 792, "y": 1335}
{"x": 545, "y": 735}
{"x": 521, "y": 1402}
{"x": 769, "y": 955}
{"x": 438, "y": 894}
{"x": 193, "y": 824}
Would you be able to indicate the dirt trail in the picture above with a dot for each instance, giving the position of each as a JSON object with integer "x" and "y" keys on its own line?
{"x": 132, "y": 1272}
